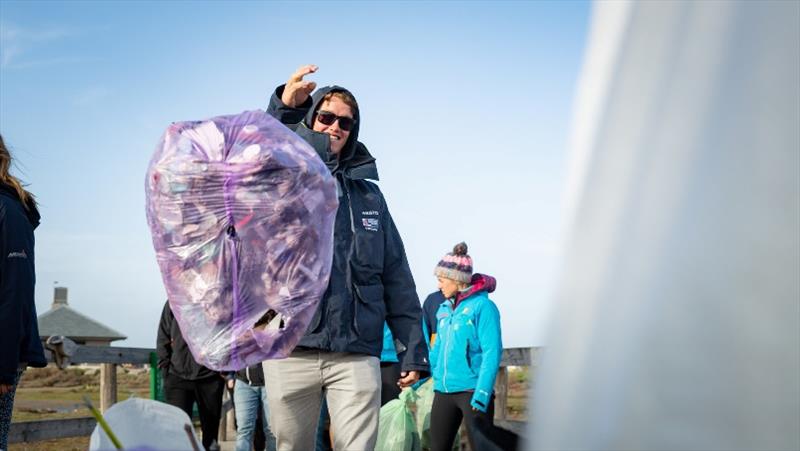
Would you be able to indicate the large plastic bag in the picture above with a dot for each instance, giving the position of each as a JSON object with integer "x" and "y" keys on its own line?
{"x": 424, "y": 394}
{"x": 396, "y": 428}
{"x": 144, "y": 424}
{"x": 241, "y": 211}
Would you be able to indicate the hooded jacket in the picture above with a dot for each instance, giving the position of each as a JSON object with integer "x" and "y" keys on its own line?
{"x": 370, "y": 278}
{"x": 467, "y": 351}
{"x": 174, "y": 356}
{"x": 19, "y": 328}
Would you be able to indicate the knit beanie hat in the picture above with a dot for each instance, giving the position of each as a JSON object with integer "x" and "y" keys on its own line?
{"x": 456, "y": 265}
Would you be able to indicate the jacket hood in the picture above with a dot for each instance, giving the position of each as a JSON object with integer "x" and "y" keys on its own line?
{"x": 354, "y": 153}
{"x": 30, "y": 209}
{"x": 479, "y": 282}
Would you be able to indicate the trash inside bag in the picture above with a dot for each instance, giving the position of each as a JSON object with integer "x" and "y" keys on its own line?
{"x": 144, "y": 424}
{"x": 241, "y": 212}
{"x": 396, "y": 428}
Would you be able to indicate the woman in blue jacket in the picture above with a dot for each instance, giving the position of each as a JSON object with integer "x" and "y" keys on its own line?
{"x": 466, "y": 353}
{"x": 19, "y": 330}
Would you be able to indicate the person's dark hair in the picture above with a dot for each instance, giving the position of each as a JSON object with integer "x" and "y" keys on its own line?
{"x": 9, "y": 180}
{"x": 460, "y": 248}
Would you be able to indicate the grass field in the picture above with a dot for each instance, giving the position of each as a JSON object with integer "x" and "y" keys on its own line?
{"x": 50, "y": 393}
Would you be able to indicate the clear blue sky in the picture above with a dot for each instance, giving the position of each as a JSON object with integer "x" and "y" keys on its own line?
{"x": 466, "y": 107}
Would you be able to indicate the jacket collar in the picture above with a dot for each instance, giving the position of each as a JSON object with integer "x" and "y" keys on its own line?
{"x": 359, "y": 165}
{"x": 479, "y": 283}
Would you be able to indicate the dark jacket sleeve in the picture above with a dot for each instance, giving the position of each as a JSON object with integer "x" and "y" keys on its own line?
{"x": 164, "y": 339}
{"x": 403, "y": 312}
{"x": 11, "y": 312}
{"x": 283, "y": 113}
{"x": 19, "y": 332}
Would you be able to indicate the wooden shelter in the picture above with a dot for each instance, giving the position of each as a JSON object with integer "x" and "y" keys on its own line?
{"x": 62, "y": 319}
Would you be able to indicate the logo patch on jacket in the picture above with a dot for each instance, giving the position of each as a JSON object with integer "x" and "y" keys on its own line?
{"x": 21, "y": 254}
{"x": 372, "y": 223}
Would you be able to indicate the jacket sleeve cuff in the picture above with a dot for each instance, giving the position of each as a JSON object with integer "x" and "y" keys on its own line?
{"x": 7, "y": 379}
{"x": 480, "y": 400}
{"x": 286, "y": 114}
{"x": 423, "y": 370}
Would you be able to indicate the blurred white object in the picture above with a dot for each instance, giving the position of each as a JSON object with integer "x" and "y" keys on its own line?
{"x": 145, "y": 424}
{"x": 678, "y": 313}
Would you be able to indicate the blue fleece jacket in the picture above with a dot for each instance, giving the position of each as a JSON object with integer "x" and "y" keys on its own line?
{"x": 468, "y": 347}
{"x": 389, "y": 352}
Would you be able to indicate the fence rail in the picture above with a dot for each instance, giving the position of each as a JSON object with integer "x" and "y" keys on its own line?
{"x": 110, "y": 357}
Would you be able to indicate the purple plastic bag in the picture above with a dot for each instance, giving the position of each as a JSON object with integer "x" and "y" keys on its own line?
{"x": 241, "y": 211}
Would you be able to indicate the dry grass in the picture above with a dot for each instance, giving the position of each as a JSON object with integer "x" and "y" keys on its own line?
{"x": 64, "y": 444}
{"x": 519, "y": 379}
{"x": 50, "y": 393}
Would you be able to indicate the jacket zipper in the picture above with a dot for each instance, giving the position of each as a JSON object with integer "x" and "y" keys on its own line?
{"x": 352, "y": 245}
{"x": 450, "y": 345}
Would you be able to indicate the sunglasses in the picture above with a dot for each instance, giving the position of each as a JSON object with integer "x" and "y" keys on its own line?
{"x": 328, "y": 118}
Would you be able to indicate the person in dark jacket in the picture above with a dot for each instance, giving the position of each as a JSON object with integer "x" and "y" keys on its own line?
{"x": 370, "y": 280}
{"x": 186, "y": 381}
{"x": 19, "y": 329}
{"x": 249, "y": 397}
{"x": 429, "y": 309}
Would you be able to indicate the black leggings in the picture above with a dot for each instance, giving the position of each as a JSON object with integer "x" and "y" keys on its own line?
{"x": 446, "y": 414}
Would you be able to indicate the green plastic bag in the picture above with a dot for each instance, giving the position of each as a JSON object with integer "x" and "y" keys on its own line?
{"x": 396, "y": 428}
{"x": 424, "y": 404}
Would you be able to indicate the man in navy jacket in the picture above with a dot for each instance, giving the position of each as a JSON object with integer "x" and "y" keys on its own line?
{"x": 370, "y": 281}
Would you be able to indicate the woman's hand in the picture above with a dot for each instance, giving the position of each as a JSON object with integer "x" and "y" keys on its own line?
{"x": 408, "y": 378}
{"x": 297, "y": 90}
{"x": 5, "y": 388}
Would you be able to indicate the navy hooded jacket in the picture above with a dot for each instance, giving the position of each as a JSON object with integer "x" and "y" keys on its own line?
{"x": 19, "y": 329}
{"x": 370, "y": 277}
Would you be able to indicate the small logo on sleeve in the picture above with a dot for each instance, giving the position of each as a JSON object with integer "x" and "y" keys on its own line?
{"x": 20, "y": 254}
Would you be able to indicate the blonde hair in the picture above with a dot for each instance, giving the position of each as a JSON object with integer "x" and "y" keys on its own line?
{"x": 9, "y": 180}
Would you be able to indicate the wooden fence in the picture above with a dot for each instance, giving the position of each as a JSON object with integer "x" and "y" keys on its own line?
{"x": 109, "y": 357}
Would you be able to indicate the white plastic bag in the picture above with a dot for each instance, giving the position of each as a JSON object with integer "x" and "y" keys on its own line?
{"x": 144, "y": 424}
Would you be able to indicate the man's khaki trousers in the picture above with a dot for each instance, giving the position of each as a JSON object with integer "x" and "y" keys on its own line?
{"x": 295, "y": 386}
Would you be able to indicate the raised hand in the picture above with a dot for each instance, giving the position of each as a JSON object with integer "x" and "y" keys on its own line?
{"x": 297, "y": 90}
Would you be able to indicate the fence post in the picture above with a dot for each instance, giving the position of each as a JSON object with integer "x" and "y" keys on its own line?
{"x": 501, "y": 393}
{"x": 108, "y": 385}
{"x": 156, "y": 382}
